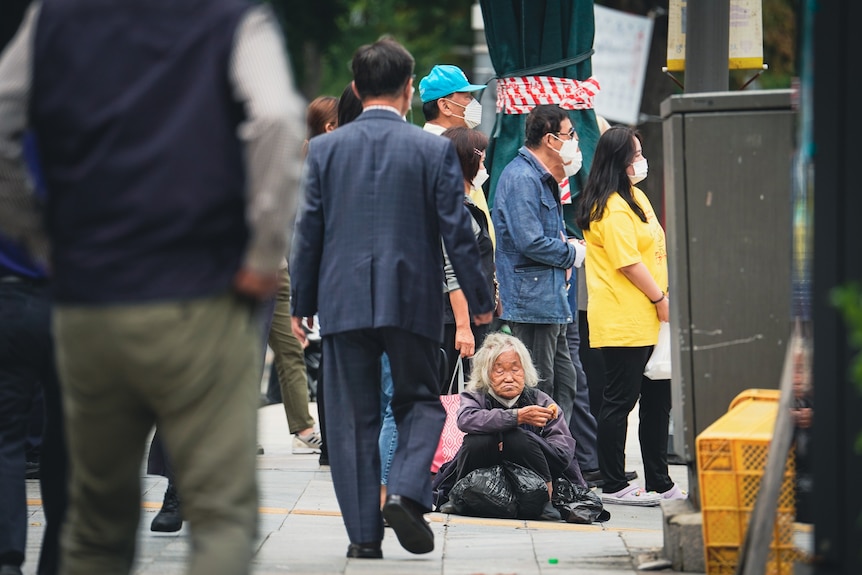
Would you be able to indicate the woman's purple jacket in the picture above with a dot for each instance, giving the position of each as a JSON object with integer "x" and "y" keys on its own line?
{"x": 477, "y": 415}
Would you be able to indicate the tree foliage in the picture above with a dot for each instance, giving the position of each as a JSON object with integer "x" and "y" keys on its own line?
{"x": 322, "y": 40}
{"x": 322, "y": 37}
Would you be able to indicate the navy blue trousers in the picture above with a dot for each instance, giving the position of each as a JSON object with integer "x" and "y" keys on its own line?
{"x": 352, "y": 381}
{"x": 26, "y": 363}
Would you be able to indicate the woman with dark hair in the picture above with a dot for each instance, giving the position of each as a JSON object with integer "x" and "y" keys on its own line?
{"x": 349, "y": 105}
{"x": 460, "y": 336}
{"x": 627, "y": 285}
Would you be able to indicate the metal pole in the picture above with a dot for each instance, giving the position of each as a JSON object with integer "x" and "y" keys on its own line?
{"x": 483, "y": 70}
{"x": 707, "y": 29}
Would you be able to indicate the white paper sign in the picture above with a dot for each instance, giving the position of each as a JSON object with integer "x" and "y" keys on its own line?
{"x": 621, "y": 46}
{"x": 745, "y": 37}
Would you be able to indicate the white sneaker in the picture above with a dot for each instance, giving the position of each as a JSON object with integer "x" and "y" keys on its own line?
{"x": 632, "y": 495}
{"x": 311, "y": 439}
{"x": 674, "y": 493}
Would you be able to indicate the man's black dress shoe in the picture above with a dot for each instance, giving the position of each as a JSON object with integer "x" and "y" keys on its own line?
{"x": 595, "y": 478}
{"x": 407, "y": 520}
{"x": 365, "y": 551}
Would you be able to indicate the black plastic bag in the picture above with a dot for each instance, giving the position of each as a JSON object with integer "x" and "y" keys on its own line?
{"x": 531, "y": 491}
{"x": 485, "y": 493}
{"x": 577, "y": 504}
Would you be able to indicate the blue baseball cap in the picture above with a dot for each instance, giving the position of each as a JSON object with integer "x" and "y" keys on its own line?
{"x": 443, "y": 80}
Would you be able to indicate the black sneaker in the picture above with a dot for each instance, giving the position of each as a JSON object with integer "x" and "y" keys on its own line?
{"x": 169, "y": 519}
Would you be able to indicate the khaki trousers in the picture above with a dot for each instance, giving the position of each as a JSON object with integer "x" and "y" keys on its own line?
{"x": 289, "y": 361}
{"x": 192, "y": 368}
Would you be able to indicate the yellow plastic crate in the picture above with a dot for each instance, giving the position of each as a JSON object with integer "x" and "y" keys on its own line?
{"x": 731, "y": 458}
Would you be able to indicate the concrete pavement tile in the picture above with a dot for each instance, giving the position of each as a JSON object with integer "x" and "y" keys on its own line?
{"x": 306, "y": 539}
{"x": 633, "y": 517}
{"x": 160, "y": 568}
{"x": 637, "y": 539}
{"x": 590, "y": 569}
{"x": 319, "y": 495}
{"x": 508, "y": 567}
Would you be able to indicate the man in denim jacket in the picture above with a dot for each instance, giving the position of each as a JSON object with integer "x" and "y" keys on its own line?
{"x": 533, "y": 257}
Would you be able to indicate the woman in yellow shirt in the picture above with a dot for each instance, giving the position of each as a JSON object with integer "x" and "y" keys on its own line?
{"x": 627, "y": 288}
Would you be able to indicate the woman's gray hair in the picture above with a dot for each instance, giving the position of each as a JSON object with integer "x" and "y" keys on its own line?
{"x": 496, "y": 344}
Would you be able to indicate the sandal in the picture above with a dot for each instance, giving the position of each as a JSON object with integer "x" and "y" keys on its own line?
{"x": 674, "y": 493}
{"x": 632, "y": 495}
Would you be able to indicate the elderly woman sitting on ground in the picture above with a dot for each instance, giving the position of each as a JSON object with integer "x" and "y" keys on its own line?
{"x": 507, "y": 419}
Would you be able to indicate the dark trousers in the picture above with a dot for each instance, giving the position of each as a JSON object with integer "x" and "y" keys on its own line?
{"x": 352, "y": 380}
{"x": 625, "y": 384}
{"x": 593, "y": 364}
{"x": 550, "y": 351}
{"x": 582, "y": 423}
{"x": 519, "y": 446}
{"x": 321, "y": 414}
{"x": 26, "y": 363}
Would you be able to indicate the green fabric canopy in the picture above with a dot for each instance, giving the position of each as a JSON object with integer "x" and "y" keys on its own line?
{"x": 541, "y": 38}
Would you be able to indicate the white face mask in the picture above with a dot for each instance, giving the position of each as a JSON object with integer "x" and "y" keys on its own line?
{"x": 641, "y": 169}
{"x": 481, "y": 178}
{"x": 472, "y": 113}
{"x": 571, "y": 156}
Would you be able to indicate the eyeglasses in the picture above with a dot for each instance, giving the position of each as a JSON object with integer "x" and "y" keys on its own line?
{"x": 570, "y": 134}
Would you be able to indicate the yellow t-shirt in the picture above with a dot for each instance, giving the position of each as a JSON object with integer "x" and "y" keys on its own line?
{"x": 620, "y": 315}
{"x": 478, "y": 197}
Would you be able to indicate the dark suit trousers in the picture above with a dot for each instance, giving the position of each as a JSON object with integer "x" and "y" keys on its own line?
{"x": 352, "y": 365}
{"x": 26, "y": 361}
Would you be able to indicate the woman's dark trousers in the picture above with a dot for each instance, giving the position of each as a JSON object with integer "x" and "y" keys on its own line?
{"x": 625, "y": 384}
{"x": 519, "y": 446}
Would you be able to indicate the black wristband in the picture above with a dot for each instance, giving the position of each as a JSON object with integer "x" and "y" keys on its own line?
{"x": 658, "y": 300}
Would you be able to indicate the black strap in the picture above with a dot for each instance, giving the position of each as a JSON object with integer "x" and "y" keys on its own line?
{"x": 537, "y": 70}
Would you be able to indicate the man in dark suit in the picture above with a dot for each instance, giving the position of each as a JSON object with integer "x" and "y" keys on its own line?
{"x": 378, "y": 195}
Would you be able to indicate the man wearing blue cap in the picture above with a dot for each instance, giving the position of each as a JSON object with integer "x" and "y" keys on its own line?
{"x": 447, "y": 99}
{"x": 448, "y": 102}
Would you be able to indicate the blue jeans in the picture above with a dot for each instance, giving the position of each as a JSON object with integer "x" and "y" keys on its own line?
{"x": 26, "y": 364}
{"x": 388, "y": 433}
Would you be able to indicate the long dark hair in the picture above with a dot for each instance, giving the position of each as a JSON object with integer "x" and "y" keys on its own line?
{"x": 349, "y": 106}
{"x": 614, "y": 153}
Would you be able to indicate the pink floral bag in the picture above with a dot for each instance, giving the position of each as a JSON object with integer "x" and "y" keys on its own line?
{"x": 451, "y": 437}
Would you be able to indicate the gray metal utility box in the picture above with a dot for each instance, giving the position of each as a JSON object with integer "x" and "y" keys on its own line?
{"x": 727, "y": 164}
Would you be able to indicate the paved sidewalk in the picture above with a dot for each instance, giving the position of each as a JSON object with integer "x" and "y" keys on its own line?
{"x": 301, "y": 531}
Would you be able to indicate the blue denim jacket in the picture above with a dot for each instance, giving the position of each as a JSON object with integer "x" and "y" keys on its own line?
{"x": 531, "y": 255}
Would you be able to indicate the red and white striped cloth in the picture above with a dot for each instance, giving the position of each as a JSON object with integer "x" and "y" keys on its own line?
{"x": 565, "y": 192}
{"x": 520, "y": 95}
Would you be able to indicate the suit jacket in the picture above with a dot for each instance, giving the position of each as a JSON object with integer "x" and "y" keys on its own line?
{"x": 378, "y": 194}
